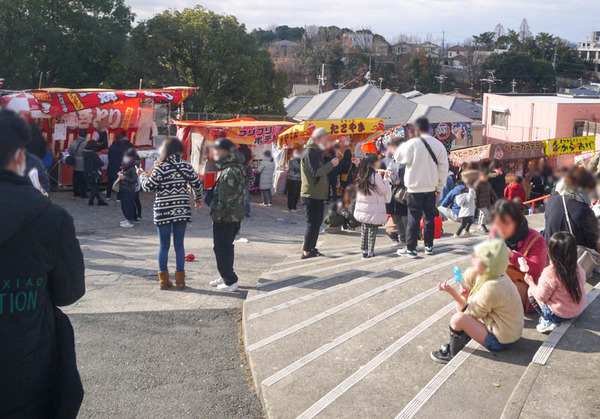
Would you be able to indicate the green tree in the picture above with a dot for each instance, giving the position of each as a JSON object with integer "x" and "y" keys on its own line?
{"x": 66, "y": 43}
{"x": 212, "y": 52}
{"x": 533, "y": 76}
{"x": 486, "y": 40}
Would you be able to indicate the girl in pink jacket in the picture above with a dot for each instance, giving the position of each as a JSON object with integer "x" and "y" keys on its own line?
{"x": 373, "y": 192}
{"x": 559, "y": 294}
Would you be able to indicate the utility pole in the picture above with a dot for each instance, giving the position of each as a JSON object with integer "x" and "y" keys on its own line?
{"x": 380, "y": 82}
{"x": 491, "y": 80}
{"x": 443, "y": 44}
{"x": 321, "y": 78}
{"x": 513, "y": 83}
{"x": 440, "y": 80}
{"x": 554, "y": 60}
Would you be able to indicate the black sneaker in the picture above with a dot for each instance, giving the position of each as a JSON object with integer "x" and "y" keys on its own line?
{"x": 310, "y": 255}
{"x": 102, "y": 204}
{"x": 317, "y": 253}
{"x": 443, "y": 355}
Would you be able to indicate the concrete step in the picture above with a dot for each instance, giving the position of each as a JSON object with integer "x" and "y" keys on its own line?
{"x": 353, "y": 340}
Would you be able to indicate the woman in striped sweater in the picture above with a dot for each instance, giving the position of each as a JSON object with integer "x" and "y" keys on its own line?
{"x": 172, "y": 210}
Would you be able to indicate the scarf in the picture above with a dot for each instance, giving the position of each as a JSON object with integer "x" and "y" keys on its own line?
{"x": 513, "y": 242}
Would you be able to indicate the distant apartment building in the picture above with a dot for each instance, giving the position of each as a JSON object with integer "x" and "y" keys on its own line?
{"x": 404, "y": 48}
{"x": 589, "y": 50}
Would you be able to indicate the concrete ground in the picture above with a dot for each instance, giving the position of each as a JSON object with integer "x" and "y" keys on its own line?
{"x": 148, "y": 353}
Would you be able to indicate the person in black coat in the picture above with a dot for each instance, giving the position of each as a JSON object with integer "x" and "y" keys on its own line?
{"x": 42, "y": 268}
{"x": 92, "y": 169}
{"x": 115, "y": 157}
{"x": 128, "y": 187}
{"x": 347, "y": 170}
{"x": 397, "y": 210}
{"x": 581, "y": 222}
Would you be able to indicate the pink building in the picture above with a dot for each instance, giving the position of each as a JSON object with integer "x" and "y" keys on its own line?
{"x": 518, "y": 118}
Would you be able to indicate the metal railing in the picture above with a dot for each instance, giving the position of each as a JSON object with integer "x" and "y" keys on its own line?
{"x": 533, "y": 201}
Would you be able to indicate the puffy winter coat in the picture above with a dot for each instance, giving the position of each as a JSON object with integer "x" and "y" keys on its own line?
{"x": 266, "y": 170}
{"x": 466, "y": 201}
{"x": 370, "y": 209}
{"x": 514, "y": 190}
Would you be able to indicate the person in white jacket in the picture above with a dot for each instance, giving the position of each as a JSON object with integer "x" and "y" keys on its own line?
{"x": 266, "y": 170}
{"x": 373, "y": 192}
{"x": 426, "y": 163}
{"x": 466, "y": 201}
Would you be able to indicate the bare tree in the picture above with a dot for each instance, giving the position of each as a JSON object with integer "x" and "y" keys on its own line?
{"x": 499, "y": 31}
{"x": 524, "y": 31}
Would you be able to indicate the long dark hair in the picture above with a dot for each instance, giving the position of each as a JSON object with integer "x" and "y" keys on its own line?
{"x": 365, "y": 180}
{"x": 562, "y": 252}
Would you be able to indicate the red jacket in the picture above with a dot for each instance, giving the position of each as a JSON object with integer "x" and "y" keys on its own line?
{"x": 514, "y": 190}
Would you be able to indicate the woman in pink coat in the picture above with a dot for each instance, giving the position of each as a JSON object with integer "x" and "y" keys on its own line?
{"x": 373, "y": 192}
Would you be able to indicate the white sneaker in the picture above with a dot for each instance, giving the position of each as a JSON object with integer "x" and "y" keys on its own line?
{"x": 230, "y": 288}
{"x": 107, "y": 199}
{"x": 216, "y": 282}
{"x": 118, "y": 200}
{"x": 124, "y": 222}
{"x": 126, "y": 225}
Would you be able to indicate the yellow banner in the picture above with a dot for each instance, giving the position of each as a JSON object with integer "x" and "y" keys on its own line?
{"x": 334, "y": 127}
{"x": 572, "y": 145}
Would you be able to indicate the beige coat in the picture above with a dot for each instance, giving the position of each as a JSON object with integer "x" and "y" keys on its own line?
{"x": 499, "y": 305}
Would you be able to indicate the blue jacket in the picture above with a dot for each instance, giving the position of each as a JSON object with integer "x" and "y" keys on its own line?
{"x": 449, "y": 199}
{"x": 449, "y": 186}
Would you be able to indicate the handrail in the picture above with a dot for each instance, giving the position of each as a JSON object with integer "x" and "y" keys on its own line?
{"x": 541, "y": 198}
{"x": 533, "y": 201}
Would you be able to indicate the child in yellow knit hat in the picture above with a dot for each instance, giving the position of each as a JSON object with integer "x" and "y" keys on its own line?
{"x": 488, "y": 308}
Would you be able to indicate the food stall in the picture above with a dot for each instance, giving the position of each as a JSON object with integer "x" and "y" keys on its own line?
{"x": 60, "y": 113}
{"x": 513, "y": 156}
{"x": 196, "y": 136}
{"x": 447, "y": 132}
{"x": 562, "y": 152}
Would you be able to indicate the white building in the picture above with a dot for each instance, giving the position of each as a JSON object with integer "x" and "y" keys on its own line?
{"x": 590, "y": 50}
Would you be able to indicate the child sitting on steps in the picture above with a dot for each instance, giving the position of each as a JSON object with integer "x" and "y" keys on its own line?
{"x": 560, "y": 292}
{"x": 488, "y": 308}
{"x": 334, "y": 219}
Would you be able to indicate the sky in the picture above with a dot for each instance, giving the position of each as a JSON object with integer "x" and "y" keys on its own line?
{"x": 459, "y": 19}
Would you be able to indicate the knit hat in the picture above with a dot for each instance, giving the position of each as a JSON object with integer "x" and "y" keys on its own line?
{"x": 494, "y": 254}
{"x": 319, "y": 132}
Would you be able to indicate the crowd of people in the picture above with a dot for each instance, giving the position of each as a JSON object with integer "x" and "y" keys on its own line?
{"x": 516, "y": 271}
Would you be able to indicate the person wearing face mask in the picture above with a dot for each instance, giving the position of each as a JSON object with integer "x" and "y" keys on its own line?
{"x": 227, "y": 210}
{"x": 42, "y": 269}
{"x": 315, "y": 188}
{"x": 127, "y": 188}
{"x": 294, "y": 181}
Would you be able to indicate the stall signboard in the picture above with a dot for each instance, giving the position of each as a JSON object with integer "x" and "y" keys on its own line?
{"x": 504, "y": 151}
{"x": 449, "y": 132}
{"x": 571, "y": 145}
{"x": 56, "y": 102}
{"x": 335, "y": 127}
{"x": 122, "y": 115}
{"x": 256, "y": 135}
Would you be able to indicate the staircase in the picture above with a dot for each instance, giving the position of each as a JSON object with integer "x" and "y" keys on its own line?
{"x": 341, "y": 337}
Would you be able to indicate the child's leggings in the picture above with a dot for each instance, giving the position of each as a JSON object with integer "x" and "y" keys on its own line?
{"x": 368, "y": 234}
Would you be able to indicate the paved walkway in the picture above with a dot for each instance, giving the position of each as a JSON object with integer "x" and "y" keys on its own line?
{"x": 343, "y": 337}
{"x": 146, "y": 353}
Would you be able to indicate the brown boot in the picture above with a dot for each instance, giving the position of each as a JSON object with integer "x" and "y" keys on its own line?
{"x": 180, "y": 280}
{"x": 163, "y": 280}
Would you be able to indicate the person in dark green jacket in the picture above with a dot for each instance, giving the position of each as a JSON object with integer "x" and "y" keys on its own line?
{"x": 315, "y": 188}
{"x": 227, "y": 210}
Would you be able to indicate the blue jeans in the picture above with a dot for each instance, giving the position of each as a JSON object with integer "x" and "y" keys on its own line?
{"x": 247, "y": 200}
{"x": 493, "y": 345}
{"x": 547, "y": 314}
{"x": 164, "y": 234}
